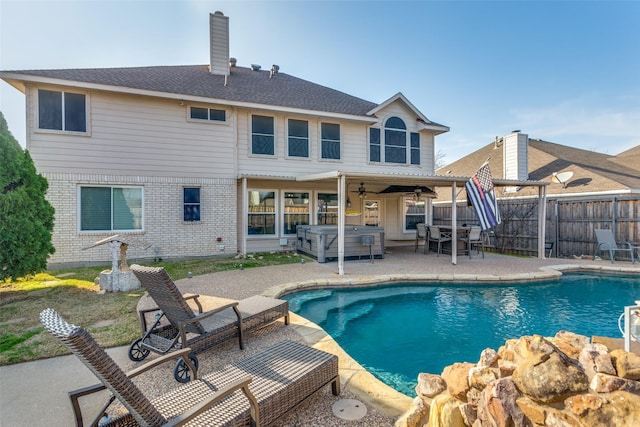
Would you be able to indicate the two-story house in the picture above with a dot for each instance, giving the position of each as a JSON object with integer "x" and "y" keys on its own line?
{"x": 215, "y": 159}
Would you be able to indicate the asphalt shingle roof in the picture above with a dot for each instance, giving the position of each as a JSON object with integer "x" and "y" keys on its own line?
{"x": 243, "y": 85}
{"x": 592, "y": 172}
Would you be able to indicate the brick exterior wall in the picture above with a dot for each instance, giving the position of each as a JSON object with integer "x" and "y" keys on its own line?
{"x": 164, "y": 228}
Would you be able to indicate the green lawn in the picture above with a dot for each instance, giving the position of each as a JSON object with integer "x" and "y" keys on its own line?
{"x": 111, "y": 317}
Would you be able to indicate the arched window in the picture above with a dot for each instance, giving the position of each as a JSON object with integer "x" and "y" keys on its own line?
{"x": 395, "y": 141}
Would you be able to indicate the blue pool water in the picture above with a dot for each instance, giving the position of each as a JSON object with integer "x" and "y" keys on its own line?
{"x": 397, "y": 331}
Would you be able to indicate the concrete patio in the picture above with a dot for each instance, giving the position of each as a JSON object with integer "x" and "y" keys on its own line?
{"x": 35, "y": 393}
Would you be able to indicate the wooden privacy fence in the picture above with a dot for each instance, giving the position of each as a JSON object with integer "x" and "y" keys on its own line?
{"x": 570, "y": 223}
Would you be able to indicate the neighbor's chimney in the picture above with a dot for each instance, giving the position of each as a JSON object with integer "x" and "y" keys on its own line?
{"x": 515, "y": 158}
{"x": 219, "y": 40}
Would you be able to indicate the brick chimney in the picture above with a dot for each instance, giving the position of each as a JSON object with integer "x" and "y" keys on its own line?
{"x": 219, "y": 44}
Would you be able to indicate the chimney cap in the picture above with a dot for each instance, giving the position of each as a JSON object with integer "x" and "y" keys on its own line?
{"x": 516, "y": 131}
{"x": 217, "y": 12}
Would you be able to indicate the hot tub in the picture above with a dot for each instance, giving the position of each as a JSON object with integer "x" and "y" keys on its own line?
{"x": 321, "y": 241}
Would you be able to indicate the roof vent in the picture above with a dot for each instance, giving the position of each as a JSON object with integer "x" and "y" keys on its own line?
{"x": 233, "y": 62}
{"x": 274, "y": 70}
{"x": 255, "y": 67}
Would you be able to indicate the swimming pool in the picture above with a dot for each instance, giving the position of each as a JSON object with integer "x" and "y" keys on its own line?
{"x": 398, "y": 330}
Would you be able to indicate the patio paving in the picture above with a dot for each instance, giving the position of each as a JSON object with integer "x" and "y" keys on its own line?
{"x": 35, "y": 393}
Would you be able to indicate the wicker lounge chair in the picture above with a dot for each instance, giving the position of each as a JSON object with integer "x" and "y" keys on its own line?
{"x": 255, "y": 391}
{"x": 176, "y": 325}
{"x": 607, "y": 242}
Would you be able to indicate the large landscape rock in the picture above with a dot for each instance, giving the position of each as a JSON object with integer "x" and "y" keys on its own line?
{"x": 532, "y": 381}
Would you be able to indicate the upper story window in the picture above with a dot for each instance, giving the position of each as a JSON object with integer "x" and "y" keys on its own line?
{"x": 64, "y": 111}
{"x": 398, "y": 145}
{"x": 330, "y": 141}
{"x": 212, "y": 114}
{"x": 298, "y": 144}
{"x": 191, "y": 204}
{"x": 374, "y": 144}
{"x": 262, "y": 135}
{"x": 111, "y": 208}
{"x": 395, "y": 141}
{"x": 415, "y": 148}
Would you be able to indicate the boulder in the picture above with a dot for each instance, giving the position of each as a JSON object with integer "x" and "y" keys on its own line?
{"x": 488, "y": 357}
{"x": 627, "y": 364}
{"x": 498, "y": 406}
{"x": 604, "y": 364}
{"x": 445, "y": 412}
{"x": 417, "y": 415}
{"x": 570, "y": 343}
{"x": 619, "y": 408}
{"x": 457, "y": 378}
{"x": 587, "y": 358}
{"x": 603, "y": 383}
{"x": 534, "y": 411}
{"x": 480, "y": 377}
{"x": 430, "y": 385}
{"x": 550, "y": 378}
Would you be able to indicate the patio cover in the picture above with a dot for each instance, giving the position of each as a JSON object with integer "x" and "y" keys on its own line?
{"x": 412, "y": 180}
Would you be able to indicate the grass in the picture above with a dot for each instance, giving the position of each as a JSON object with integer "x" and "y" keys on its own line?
{"x": 111, "y": 317}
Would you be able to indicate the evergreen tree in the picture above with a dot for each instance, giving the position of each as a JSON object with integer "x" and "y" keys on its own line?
{"x": 26, "y": 217}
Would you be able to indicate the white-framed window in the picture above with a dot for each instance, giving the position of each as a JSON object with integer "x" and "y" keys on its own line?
{"x": 414, "y": 213}
{"x": 395, "y": 141}
{"x": 207, "y": 114}
{"x": 394, "y": 144}
{"x": 110, "y": 208}
{"x": 261, "y": 218}
{"x": 327, "y": 208}
{"x": 191, "y": 204}
{"x": 62, "y": 111}
{"x": 298, "y": 141}
{"x": 262, "y": 135}
{"x": 330, "y": 141}
{"x": 295, "y": 211}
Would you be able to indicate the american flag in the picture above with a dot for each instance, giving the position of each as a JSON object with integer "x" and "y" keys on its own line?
{"x": 481, "y": 196}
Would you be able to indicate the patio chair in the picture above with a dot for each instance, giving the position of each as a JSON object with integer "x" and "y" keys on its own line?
{"x": 438, "y": 236}
{"x": 421, "y": 234}
{"x": 176, "y": 325}
{"x": 474, "y": 237}
{"x": 606, "y": 242}
{"x": 255, "y": 391}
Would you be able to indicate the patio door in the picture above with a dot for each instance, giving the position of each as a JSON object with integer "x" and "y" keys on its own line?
{"x": 372, "y": 212}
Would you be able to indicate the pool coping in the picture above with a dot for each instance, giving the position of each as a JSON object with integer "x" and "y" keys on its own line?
{"x": 353, "y": 375}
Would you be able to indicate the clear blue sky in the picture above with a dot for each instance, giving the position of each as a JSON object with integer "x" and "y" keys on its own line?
{"x": 562, "y": 71}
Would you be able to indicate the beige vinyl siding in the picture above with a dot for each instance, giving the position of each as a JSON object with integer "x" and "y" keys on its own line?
{"x": 135, "y": 135}
{"x": 354, "y": 139}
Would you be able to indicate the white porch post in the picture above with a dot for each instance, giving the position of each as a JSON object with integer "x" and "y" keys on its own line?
{"x": 542, "y": 220}
{"x": 244, "y": 217}
{"x": 454, "y": 228}
{"x": 341, "y": 220}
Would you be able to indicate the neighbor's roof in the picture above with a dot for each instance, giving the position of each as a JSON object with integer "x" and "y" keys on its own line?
{"x": 592, "y": 172}
{"x": 243, "y": 85}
